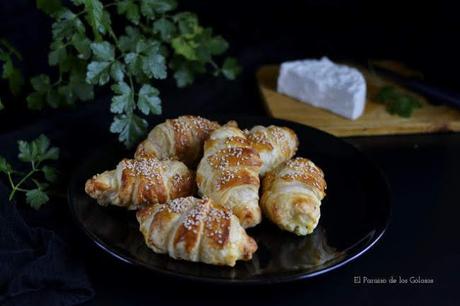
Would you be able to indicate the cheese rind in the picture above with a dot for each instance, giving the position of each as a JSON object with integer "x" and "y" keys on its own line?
{"x": 322, "y": 83}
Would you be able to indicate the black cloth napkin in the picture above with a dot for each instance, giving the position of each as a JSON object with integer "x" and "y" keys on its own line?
{"x": 36, "y": 267}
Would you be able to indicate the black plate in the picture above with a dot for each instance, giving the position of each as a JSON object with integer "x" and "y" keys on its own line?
{"x": 354, "y": 213}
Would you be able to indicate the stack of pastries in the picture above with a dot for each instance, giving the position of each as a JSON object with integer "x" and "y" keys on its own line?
{"x": 202, "y": 214}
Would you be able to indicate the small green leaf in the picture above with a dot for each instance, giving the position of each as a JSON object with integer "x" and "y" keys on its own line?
{"x": 188, "y": 24}
{"x": 103, "y": 51}
{"x": 35, "y": 101}
{"x": 185, "y": 47}
{"x": 231, "y": 69}
{"x": 36, "y": 198}
{"x": 27, "y": 152}
{"x": 83, "y": 45}
{"x": 148, "y": 101}
{"x": 128, "y": 42}
{"x": 54, "y": 98}
{"x": 41, "y": 83}
{"x": 5, "y": 166}
{"x": 154, "y": 65}
{"x": 183, "y": 77}
{"x": 165, "y": 28}
{"x": 397, "y": 102}
{"x": 2, "y": 107}
{"x": 80, "y": 88}
{"x": 129, "y": 9}
{"x": 98, "y": 73}
{"x": 150, "y": 7}
{"x": 57, "y": 56}
{"x": 95, "y": 17}
{"x": 122, "y": 102}
{"x": 217, "y": 45}
{"x": 50, "y": 7}
{"x": 130, "y": 128}
{"x": 116, "y": 71}
{"x": 13, "y": 75}
{"x": 50, "y": 173}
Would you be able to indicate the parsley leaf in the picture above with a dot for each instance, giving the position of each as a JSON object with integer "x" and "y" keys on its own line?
{"x": 129, "y": 127}
{"x": 165, "y": 28}
{"x": 130, "y": 9}
{"x": 50, "y": 7}
{"x": 98, "y": 73}
{"x": 148, "y": 101}
{"x": 50, "y": 173}
{"x": 5, "y": 167}
{"x": 36, "y": 198}
{"x": 123, "y": 101}
{"x": 231, "y": 69}
{"x": 1, "y": 105}
{"x": 398, "y": 102}
{"x": 103, "y": 51}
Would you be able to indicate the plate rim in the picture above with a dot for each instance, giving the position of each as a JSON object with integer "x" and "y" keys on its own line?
{"x": 360, "y": 250}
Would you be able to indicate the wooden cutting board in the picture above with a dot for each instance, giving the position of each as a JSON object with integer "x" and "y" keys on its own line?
{"x": 375, "y": 120}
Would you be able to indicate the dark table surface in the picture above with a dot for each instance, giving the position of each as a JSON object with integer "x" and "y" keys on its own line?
{"x": 422, "y": 240}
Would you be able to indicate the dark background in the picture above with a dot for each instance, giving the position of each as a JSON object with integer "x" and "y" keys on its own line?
{"x": 423, "y": 170}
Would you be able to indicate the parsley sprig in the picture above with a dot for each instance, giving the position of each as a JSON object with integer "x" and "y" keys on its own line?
{"x": 397, "y": 102}
{"x": 36, "y": 153}
{"x": 8, "y": 55}
{"x": 156, "y": 42}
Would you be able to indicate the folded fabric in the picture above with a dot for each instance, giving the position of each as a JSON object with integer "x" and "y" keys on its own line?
{"x": 36, "y": 267}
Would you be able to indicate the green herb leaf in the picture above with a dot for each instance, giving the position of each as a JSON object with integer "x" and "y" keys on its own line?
{"x": 130, "y": 128}
{"x": 188, "y": 24}
{"x": 397, "y": 102}
{"x": 231, "y": 69}
{"x": 130, "y": 10}
{"x": 128, "y": 42}
{"x": 50, "y": 7}
{"x": 41, "y": 83}
{"x": 37, "y": 150}
{"x": 5, "y": 167}
{"x": 165, "y": 28}
{"x": 83, "y": 45}
{"x": 150, "y": 7}
{"x": 13, "y": 75}
{"x": 98, "y": 73}
{"x": 50, "y": 173}
{"x": 36, "y": 198}
{"x": 148, "y": 101}
{"x": 95, "y": 17}
{"x": 123, "y": 101}
{"x": 103, "y": 51}
{"x": 154, "y": 65}
{"x": 35, "y": 101}
{"x": 116, "y": 71}
{"x": 185, "y": 47}
{"x": 217, "y": 45}
{"x": 1, "y": 105}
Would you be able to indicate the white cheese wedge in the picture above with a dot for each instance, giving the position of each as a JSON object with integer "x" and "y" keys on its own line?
{"x": 322, "y": 83}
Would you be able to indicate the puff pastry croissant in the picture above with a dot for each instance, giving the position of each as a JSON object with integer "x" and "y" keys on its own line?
{"x": 181, "y": 138}
{"x": 274, "y": 144}
{"x": 135, "y": 183}
{"x": 195, "y": 230}
{"x": 228, "y": 173}
{"x": 292, "y": 195}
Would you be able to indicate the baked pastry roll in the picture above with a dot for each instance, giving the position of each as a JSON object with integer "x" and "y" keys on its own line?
{"x": 292, "y": 195}
{"x": 181, "y": 138}
{"x": 195, "y": 230}
{"x": 228, "y": 173}
{"x": 274, "y": 144}
{"x": 135, "y": 183}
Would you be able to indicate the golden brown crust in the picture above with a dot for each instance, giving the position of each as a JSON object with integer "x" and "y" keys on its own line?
{"x": 196, "y": 230}
{"x": 229, "y": 173}
{"x": 292, "y": 195}
{"x": 136, "y": 183}
{"x": 181, "y": 138}
{"x": 274, "y": 144}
